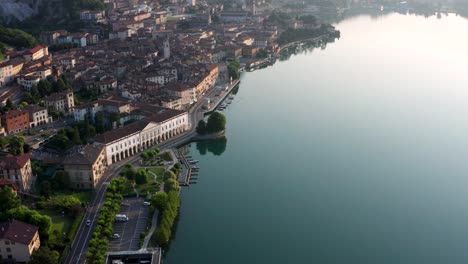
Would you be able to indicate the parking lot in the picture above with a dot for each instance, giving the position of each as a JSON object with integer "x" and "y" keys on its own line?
{"x": 129, "y": 231}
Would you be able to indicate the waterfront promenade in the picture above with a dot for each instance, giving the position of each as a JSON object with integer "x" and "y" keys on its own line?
{"x": 84, "y": 234}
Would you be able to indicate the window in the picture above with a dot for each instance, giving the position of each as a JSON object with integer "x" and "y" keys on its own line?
{"x": 8, "y": 249}
{"x": 7, "y": 242}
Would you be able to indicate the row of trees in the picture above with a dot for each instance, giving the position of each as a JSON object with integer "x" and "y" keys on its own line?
{"x": 149, "y": 154}
{"x": 216, "y": 123}
{"x": 168, "y": 203}
{"x": 100, "y": 241}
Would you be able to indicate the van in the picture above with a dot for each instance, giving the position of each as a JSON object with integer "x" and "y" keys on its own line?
{"x": 121, "y": 218}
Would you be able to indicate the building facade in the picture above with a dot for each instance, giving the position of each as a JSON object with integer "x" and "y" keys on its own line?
{"x": 17, "y": 169}
{"x": 86, "y": 166}
{"x": 18, "y": 241}
{"x": 63, "y": 101}
{"x": 128, "y": 140}
{"x": 37, "y": 115}
{"x": 15, "y": 121}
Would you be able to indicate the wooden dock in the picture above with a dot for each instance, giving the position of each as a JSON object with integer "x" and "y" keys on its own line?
{"x": 184, "y": 180}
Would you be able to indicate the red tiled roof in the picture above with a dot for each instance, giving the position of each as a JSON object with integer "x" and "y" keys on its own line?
{"x": 35, "y": 49}
{"x": 14, "y": 162}
{"x": 13, "y": 113}
{"x": 18, "y": 231}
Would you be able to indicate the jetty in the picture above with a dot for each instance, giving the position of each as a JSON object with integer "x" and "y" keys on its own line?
{"x": 184, "y": 178}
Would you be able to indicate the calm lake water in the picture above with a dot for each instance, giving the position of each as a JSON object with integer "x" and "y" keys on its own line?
{"x": 357, "y": 153}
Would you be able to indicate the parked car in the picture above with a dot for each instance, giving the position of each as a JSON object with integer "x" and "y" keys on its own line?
{"x": 146, "y": 203}
{"x": 88, "y": 222}
{"x": 115, "y": 236}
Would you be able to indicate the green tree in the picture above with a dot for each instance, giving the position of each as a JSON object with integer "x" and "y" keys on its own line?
{"x": 59, "y": 86}
{"x": 44, "y": 87}
{"x": 99, "y": 123}
{"x": 141, "y": 177}
{"x": 160, "y": 200}
{"x": 8, "y": 199}
{"x": 46, "y": 188}
{"x": 76, "y": 136}
{"x": 17, "y": 145}
{"x": 62, "y": 180}
{"x": 33, "y": 217}
{"x": 171, "y": 185}
{"x": 201, "y": 127}
{"x": 216, "y": 123}
{"x": 44, "y": 255}
{"x": 169, "y": 175}
{"x": 3, "y": 142}
{"x": 233, "y": 69}
{"x": 9, "y": 104}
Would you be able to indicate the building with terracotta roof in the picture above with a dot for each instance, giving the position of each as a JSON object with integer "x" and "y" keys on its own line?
{"x": 18, "y": 240}
{"x": 86, "y": 166}
{"x": 18, "y": 170}
{"x": 36, "y": 53}
{"x": 15, "y": 121}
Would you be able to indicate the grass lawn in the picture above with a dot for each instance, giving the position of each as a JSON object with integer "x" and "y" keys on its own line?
{"x": 159, "y": 172}
{"x": 153, "y": 184}
{"x": 83, "y": 196}
{"x": 60, "y": 224}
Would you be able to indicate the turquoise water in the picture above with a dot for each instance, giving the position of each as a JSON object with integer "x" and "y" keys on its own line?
{"x": 356, "y": 153}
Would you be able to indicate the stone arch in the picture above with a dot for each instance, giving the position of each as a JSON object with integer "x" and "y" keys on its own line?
{"x": 122, "y": 155}
{"x": 113, "y": 158}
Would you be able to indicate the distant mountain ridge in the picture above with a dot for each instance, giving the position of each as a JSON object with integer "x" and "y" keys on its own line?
{"x": 19, "y": 10}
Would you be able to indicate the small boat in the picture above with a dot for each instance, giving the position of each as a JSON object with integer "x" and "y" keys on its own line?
{"x": 193, "y": 178}
{"x": 194, "y": 161}
{"x": 188, "y": 157}
{"x": 231, "y": 97}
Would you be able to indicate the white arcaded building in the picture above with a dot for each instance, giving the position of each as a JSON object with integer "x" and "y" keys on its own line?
{"x": 128, "y": 140}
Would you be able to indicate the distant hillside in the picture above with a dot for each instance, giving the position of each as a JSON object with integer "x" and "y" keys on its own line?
{"x": 15, "y": 38}
{"x": 43, "y": 14}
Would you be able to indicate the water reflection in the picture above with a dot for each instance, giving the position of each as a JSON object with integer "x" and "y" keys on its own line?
{"x": 216, "y": 147}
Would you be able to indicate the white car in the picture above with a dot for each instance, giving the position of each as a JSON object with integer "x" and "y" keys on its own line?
{"x": 146, "y": 203}
{"x": 115, "y": 236}
{"x": 88, "y": 222}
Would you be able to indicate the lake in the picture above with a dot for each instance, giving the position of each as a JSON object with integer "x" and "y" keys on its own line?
{"x": 355, "y": 153}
